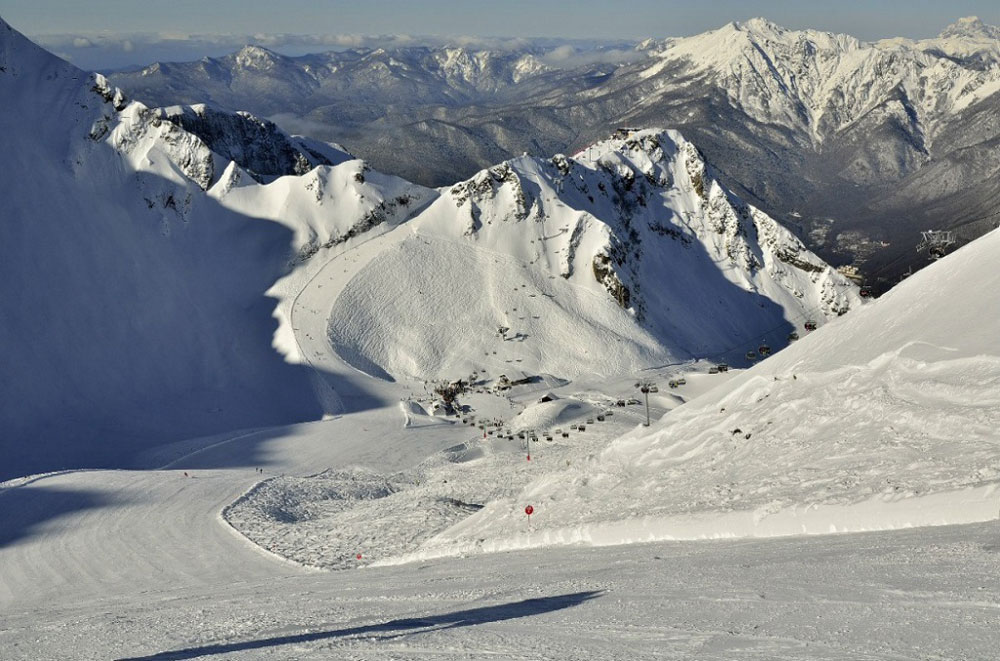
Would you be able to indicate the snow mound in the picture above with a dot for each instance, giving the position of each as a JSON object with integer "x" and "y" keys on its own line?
{"x": 548, "y": 416}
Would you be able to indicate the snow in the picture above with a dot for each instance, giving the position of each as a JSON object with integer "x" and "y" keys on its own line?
{"x": 154, "y": 575}
{"x": 253, "y": 364}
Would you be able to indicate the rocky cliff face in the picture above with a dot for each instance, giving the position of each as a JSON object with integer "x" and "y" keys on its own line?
{"x": 255, "y": 144}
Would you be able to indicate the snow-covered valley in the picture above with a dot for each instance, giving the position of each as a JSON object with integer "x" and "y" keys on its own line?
{"x": 262, "y": 401}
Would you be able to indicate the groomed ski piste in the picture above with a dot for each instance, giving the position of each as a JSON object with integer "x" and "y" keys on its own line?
{"x": 837, "y": 500}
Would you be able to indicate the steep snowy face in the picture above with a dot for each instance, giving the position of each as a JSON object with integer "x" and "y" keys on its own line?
{"x": 139, "y": 270}
{"x": 649, "y": 193}
{"x": 632, "y": 247}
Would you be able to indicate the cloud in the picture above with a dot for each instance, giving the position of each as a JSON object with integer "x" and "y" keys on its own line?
{"x": 82, "y": 42}
{"x": 568, "y": 56}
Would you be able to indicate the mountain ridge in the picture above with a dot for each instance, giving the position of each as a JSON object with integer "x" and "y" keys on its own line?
{"x": 855, "y": 121}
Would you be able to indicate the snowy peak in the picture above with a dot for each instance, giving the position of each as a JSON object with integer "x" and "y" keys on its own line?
{"x": 255, "y": 144}
{"x": 761, "y": 29}
{"x": 642, "y": 219}
{"x": 822, "y": 83}
{"x": 972, "y": 28}
{"x": 256, "y": 58}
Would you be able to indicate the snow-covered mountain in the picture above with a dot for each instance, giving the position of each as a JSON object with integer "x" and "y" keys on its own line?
{"x": 857, "y": 145}
{"x": 631, "y": 254}
{"x": 418, "y": 75}
{"x": 166, "y": 279}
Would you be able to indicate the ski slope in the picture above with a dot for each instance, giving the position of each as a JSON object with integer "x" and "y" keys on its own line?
{"x": 139, "y": 565}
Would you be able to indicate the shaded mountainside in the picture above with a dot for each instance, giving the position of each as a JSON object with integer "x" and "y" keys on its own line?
{"x": 137, "y": 266}
{"x": 828, "y": 134}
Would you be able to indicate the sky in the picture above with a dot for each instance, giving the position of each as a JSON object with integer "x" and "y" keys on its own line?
{"x": 113, "y": 33}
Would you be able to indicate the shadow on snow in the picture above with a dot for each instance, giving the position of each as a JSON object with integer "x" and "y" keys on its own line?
{"x": 394, "y": 628}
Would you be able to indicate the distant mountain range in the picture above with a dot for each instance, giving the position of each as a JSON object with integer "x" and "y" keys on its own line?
{"x": 856, "y": 146}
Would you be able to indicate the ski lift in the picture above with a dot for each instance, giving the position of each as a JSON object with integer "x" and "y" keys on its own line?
{"x": 764, "y": 350}
{"x": 810, "y": 325}
{"x": 936, "y": 242}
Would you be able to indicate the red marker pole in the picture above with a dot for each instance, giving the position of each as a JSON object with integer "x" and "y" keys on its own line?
{"x": 529, "y": 510}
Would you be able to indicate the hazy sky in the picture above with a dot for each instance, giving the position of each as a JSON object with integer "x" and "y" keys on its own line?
{"x": 117, "y": 20}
